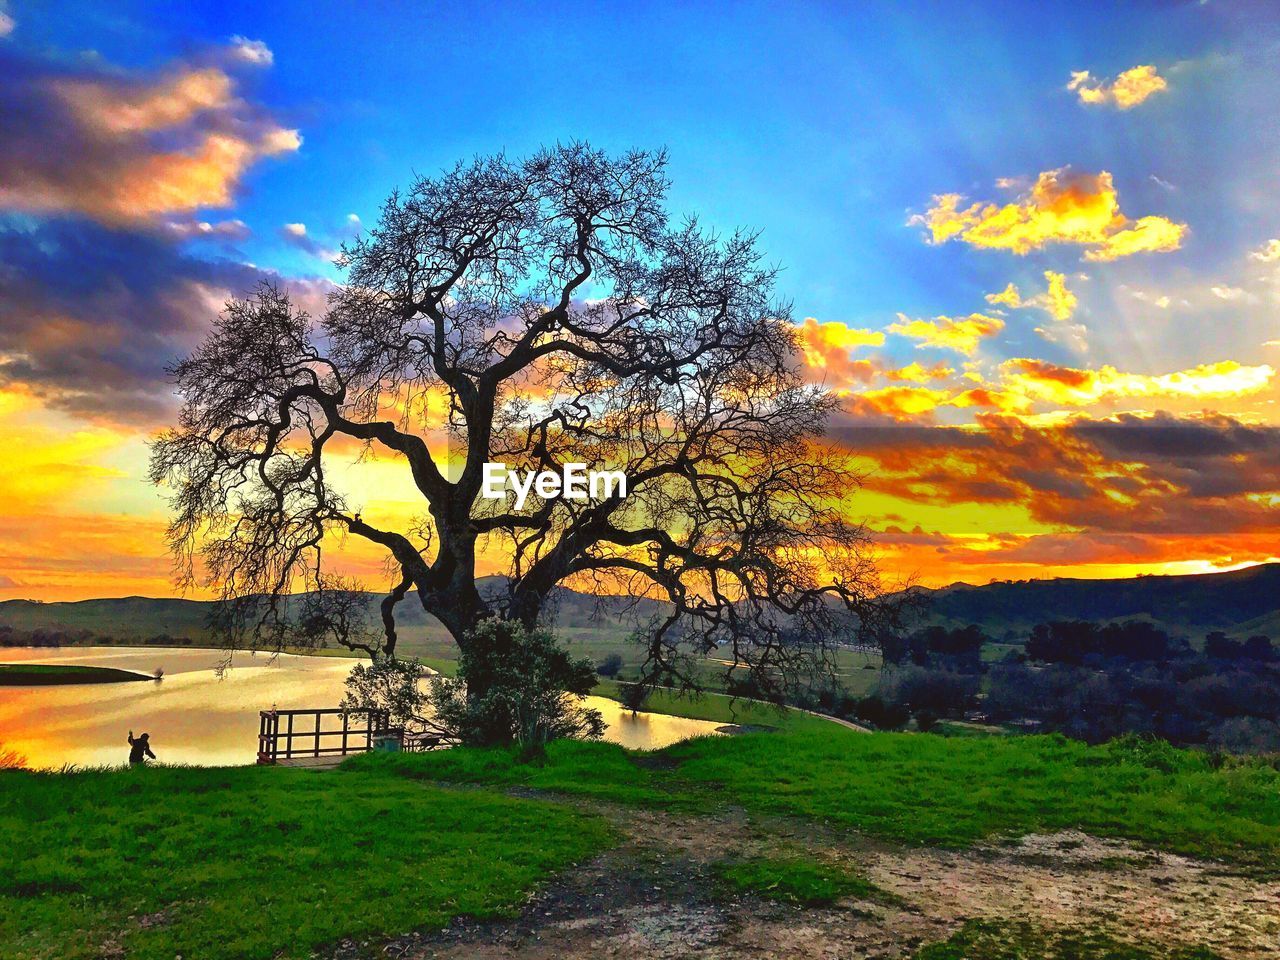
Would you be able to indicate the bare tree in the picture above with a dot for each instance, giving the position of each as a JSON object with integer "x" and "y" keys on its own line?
{"x": 558, "y": 316}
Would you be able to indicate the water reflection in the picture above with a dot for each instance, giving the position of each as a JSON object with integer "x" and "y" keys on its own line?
{"x": 194, "y": 717}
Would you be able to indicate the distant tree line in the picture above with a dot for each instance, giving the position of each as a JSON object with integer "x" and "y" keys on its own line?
{"x": 1088, "y": 681}
{"x": 11, "y": 636}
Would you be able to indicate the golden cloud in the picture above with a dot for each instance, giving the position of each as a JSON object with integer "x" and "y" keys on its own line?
{"x": 1069, "y": 386}
{"x": 1061, "y": 207}
{"x": 1057, "y": 300}
{"x": 1124, "y": 92}
{"x": 953, "y": 333}
{"x": 917, "y": 373}
{"x": 826, "y": 348}
{"x": 115, "y": 109}
{"x": 897, "y": 403}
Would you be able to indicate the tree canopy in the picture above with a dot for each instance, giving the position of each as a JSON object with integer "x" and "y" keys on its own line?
{"x": 531, "y": 312}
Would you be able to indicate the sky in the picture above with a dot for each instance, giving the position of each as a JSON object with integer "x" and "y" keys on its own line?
{"x": 1034, "y": 247}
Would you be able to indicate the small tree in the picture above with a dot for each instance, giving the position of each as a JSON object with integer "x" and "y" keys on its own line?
{"x": 531, "y": 689}
{"x": 610, "y": 665}
{"x": 633, "y": 696}
{"x": 397, "y": 686}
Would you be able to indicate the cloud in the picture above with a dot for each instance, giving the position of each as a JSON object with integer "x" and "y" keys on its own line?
{"x": 7, "y": 25}
{"x": 127, "y": 147}
{"x": 1269, "y": 252}
{"x": 1125, "y": 92}
{"x": 1060, "y": 207}
{"x": 826, "y": 349}
{"x": 916, "y": 373}
{"x": 1126, "y": 475}
{"x": 253, "y": 52}
{"x": 1156, "y": 300}
{"x": 1057, "y": 300}
{"x": 953, "y": 333}
{"x": 94, "y": 313}
{"x": 190, "y": 229}
{"x": 328, "y": 247}
{"x": 295, "y": 234}
{"x": 1069, "y": 386}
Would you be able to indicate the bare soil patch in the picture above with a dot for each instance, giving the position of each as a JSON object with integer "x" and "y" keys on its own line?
{"x": 655, "y": 896}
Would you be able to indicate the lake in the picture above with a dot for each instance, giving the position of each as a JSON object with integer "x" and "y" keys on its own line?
{"x": 197, "y": 717}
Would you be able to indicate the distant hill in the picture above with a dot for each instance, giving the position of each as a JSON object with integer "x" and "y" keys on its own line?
{"x": 147, "y": 618}
{"x": 1238, "y": 602}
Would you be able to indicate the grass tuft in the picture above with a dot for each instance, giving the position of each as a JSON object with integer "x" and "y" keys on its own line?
{"x": 1000, "y": 940}
{"x": 796, "y": 880}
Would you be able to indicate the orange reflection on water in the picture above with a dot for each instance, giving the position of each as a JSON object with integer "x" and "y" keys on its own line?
{"x": 196, "y": 717}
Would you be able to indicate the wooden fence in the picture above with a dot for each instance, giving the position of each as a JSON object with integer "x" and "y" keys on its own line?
{"x": 295, "y": 734}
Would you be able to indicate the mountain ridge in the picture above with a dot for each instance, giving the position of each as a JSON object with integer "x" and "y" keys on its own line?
{"x": 1244, "y": 600}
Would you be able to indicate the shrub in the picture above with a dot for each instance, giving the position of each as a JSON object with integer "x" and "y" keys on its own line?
{"x": 515, "y": 685}
{"x": 609, "y": 666}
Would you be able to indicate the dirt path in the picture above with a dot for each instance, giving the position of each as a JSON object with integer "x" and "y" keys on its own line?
{"x": 655, "y": 896}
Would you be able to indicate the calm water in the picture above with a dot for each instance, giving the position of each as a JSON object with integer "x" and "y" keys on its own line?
{"x": 196, "y": 717}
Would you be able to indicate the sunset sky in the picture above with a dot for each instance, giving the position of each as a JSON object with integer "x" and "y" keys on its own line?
{"x": 1035, "y": 246}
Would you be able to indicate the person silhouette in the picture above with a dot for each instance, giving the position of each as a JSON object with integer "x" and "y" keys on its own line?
{"x": 141, "y": 746}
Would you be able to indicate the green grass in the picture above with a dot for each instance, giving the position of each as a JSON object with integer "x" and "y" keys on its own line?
{"x": 915, "y": 788}
{"x": 799, "y": 880}
{"x": 964, "y": 728}
{"x": 48, "y": 674}
{"x": 718, "y": 708}
{"x": 988, "y": 940}
{"x": 259, "y": 863}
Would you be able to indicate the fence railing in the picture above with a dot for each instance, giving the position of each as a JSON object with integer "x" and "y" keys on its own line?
{"x": 293, "y": 734}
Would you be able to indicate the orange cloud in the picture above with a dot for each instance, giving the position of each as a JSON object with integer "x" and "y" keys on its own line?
{"x": 953, "y": 333}
{"x": 1069, "y": 386}
{"x": 897, "y": 403}
{"x": 826, "y": 348}
{"x": 1125, "y": 92}
{"x": 1061, "y": 207}
{"x": 123, "y": 148}
{"x": 916, "y": 373}
{"x": 1057, "y": 300}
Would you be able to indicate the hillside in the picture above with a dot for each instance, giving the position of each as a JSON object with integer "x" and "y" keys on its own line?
{"x": 153, "y": 618}
{"x": 1239, "y": 602}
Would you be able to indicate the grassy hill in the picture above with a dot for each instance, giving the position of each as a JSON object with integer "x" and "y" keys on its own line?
{"x": 256, "y": 863}
{"x": 1238, "y": 602}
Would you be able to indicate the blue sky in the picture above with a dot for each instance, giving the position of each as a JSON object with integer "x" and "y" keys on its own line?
{"x": 823, "y": 125}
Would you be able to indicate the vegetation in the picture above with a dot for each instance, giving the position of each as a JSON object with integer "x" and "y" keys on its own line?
{"x": 42, "y": 674}
{"x": 515, "y": 685}
{"x": 796, "y": 879}
{"x": 915, "y": 789}
{"x": 991, "y": 940}
{"x": 1238, "y": 601}
{"x": 1090, "y": 681}
{"x": 161, "y": 862}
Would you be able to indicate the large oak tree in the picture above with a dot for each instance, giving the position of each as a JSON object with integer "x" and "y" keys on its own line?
{"x": 548, "y": 311}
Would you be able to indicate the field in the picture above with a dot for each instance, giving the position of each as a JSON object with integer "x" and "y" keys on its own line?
{"x": 38, "y": 675}
{"x": 244, "y": 862}
{"x": 258, "y": 862}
